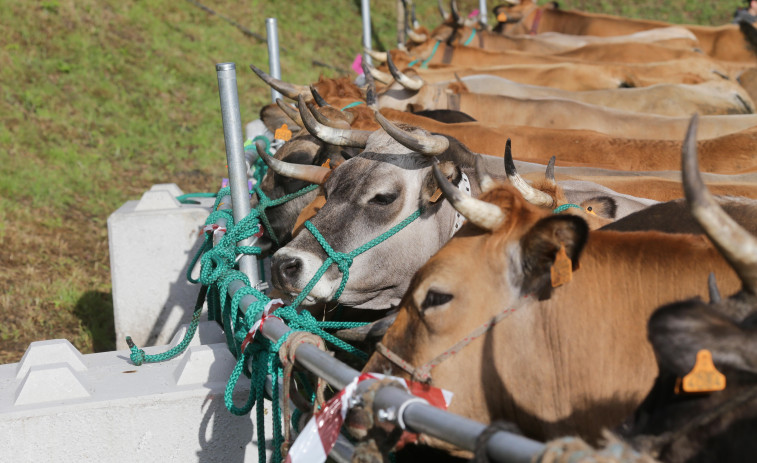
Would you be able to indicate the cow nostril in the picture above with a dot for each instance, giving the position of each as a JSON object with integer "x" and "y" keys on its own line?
{"x": 289, "y": 269}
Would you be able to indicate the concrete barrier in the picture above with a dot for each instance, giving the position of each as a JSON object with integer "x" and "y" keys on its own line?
{"x": 59, "y": 405}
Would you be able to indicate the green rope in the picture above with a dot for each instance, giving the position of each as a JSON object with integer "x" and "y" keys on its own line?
{"x": 184, "y": 199}
{"x": 413, "y": 62}
{"x": 470, "y": 39}
{"x": 264, "y": 202}
{"x": 425, "y": 62}
{"x": 138, "y": 355}
{"x": 565, "y": 207}
{"x": 353, "y": 104}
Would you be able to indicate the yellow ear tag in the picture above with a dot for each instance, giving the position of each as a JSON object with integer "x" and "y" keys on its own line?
{"x": 704, "y": 377}
{"x": 502, "y": 17}
{"x": 327, "y": 164}
{"x": 435, "y": 197}
{"x": 562, "y": 268}
{"x": 589, "y": 210}
{"x": 283, "y": 133}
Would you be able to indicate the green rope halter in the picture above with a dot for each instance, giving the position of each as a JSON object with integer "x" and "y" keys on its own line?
{"x": 425, "y": 62}
{"x": 470, "y": 39}
{"x": 352, "y": 105}
{"x": 264, "y": 202}
{"x": 565, "y": 207}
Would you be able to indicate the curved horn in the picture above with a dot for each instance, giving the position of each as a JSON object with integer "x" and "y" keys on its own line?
{"x": 712, "y": 286}
{"x": 738, "y": 246}
{"x": 317, "y": 96}
{"x": 416, "y": 37}
{"x": 339, "y": 137}
{"x": 402, "y": 79}
{"x": 291, "y": 112}
{"x": 285, "y": 88}
{"x": 480, "y": 213}
{"x": 431, "y": 145}
{"x": 381, "y": 76}
{"x": 531, "y": 194}
{"x": 549, "y": 174}
{"x": 321, "y": 118}
{"x": 375, "y": 330}
{"x": 379, "y": 56}
{"x": 441, "y": 10}
{"x": 312, "y": 174}
{"x": 484, "y": 179}
{"x": 370, "y": 87}
{"x": 414, "y": 19}
{"x": 455, "y": 12}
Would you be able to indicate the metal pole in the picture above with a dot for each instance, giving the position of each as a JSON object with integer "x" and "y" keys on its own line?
{"x": 401, "y": 17}
{"x": 232, "y": 134}
{"x": 482, "y": 13}
{"x": 365, "y": 8}
{"x": 272, "y": 32}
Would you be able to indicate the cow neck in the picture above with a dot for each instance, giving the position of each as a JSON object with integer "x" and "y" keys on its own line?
{"x": 423, "y": 373}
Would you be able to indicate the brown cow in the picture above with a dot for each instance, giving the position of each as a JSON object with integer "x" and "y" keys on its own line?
{"x": 554, "y": 355}
{"x": 721, "y": 42}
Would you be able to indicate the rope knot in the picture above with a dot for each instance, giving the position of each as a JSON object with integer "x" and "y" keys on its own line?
{"x": 137, "y": 355}
{"x": 343, "y": 261}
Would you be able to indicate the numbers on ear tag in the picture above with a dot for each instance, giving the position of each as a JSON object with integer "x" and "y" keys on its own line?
{"x": 283, "y": 133}
{"x": 704, "y": 377}
{"x": 435, "y": 197}
{"x": 562, "y": 269}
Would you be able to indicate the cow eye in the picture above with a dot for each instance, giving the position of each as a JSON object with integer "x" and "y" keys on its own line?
{"x": 434, "y": 299}
{"x": 383, "y": 199}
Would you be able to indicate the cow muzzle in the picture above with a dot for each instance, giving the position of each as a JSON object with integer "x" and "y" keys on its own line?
{"x": 291, "y": 271}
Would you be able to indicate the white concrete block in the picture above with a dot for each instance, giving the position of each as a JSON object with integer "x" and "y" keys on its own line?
{"x": 152, "y": 242}
{"x": 101, "y": 407}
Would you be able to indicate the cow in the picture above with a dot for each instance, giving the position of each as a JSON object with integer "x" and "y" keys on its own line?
{"x": 389, "y": 181}
{"x": 556, "y": 355}
{"x": 708, "y": 98}
{"x": 725, "y": 42}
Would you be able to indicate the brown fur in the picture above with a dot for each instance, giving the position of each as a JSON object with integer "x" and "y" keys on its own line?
{"x": 572, "y": 364}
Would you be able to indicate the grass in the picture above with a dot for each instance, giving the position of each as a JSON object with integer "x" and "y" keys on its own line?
{"x": 99, "y": 100}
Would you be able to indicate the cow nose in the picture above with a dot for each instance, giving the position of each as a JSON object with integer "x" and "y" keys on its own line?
{"x": 287, "y": 269}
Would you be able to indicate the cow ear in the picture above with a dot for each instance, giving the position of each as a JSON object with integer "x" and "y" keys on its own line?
{"x": 680, "y": 330}
{"x": 539, "y": 248}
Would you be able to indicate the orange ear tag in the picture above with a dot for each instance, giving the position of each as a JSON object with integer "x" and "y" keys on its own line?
{"x": 562, "y": 268}
{"x": 589, "y": 210}
{"x": 283, "y": 133}
{"x": 327, "y": 164}
{"x": 435, "y": 197}
{"x": 704, "y": 377}
{"x": 502, "y": 17}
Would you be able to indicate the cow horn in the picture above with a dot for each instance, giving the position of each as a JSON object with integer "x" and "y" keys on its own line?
{"x": 441, "y": 10}
{"x": 484, "y": 179}
{"x": 402, "y": 79}
{"x": 317, "y": 97}
{"x": 291, "y": 112}
{"x": 549, "y": 174}
{"x": 413, "y": 18}
{"x": 339, "y": 137}
{"x": 431, "y": 145}
{"x": 531, "y": 194}
{"x": 455, "y": 12}
{"x": 312, "y": 174}
{"x": 374, "y": 330}
{"x": 379, "y": 56}
{"x": 712, "y": 286}
{"x": 370, "y": 86}
{"x": 416, "y": 37}
{"x": 285, "y": 88}
{"x": 321, "y": 118}
{"x": 738, "y": 246}
{"x": 480, "y": 213}
{"x": 381, "y": 76}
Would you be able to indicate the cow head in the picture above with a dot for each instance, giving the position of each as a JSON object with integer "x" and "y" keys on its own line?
{"x": 719, "y": 425}
{"x": 367, "y": 196}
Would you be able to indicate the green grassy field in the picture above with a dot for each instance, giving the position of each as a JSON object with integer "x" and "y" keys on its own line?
{"x": 102, "y": 99}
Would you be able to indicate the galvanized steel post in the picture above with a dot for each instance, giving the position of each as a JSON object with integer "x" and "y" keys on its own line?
{"x": 365, "y": 8}
{"x": 482, "y": 12}
{"x": 272, "y": 33}
{"x": 232, "y": 134}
